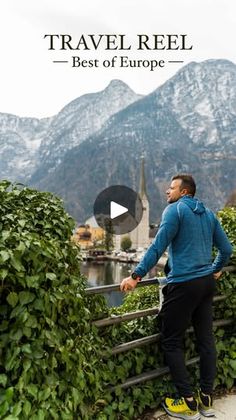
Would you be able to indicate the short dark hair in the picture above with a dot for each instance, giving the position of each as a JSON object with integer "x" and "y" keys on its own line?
{"x": 187, "y": 182}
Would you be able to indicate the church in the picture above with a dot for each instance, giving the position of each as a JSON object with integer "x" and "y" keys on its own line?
{"x": 140, "y": 235}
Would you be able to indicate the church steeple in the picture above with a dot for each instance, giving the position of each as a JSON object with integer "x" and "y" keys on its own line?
{"x": 142, "y": 185}
{"x": 140, "y": 235}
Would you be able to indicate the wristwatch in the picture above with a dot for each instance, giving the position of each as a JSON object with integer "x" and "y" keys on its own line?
{"x": 135, "y": 276}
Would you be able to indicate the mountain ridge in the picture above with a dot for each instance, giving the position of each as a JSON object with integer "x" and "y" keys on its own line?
{"x": 97, "y": 139}
{"x": 183, "y": 143}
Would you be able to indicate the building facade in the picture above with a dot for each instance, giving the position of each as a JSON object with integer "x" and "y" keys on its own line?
{"x": 140, "y": 235}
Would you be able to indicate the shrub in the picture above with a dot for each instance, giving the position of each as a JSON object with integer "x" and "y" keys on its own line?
{"x": 47, "y": 368}
{"x": 126, "y": 243}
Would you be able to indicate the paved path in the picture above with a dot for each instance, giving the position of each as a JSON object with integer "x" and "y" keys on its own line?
{"x": 225, "y": 410}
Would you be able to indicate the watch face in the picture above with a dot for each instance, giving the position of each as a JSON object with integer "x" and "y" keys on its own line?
{"x": 134, "y": 276}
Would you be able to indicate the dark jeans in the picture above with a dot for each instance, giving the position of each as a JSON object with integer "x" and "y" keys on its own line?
{"x": 185, "y": 302}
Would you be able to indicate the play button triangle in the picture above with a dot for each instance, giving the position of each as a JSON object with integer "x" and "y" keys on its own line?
{"x": 116, "y": 210}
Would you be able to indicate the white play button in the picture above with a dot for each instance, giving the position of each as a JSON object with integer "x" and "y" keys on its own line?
{"x": 116, "y": 210}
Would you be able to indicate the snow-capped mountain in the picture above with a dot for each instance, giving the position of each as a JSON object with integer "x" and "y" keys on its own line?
{"x": 202, "y": 97}
{"x": 36, "y": 146}
{"x": 112, "y": 156}
{"x": 20, "y": 140}
{"x": 79, "y": 119}
{"x": 188, "y": 125}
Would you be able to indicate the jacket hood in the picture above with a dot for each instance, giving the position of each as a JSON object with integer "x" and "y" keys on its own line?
{"x": 195, "y": 205}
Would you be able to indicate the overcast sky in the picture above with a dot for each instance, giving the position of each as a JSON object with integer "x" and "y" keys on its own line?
{"x": 32, "y": 85}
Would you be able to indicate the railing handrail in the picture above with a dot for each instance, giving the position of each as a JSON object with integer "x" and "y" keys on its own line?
{"x": 150, "y": 339}
{"x": 116, "y": 287}
{"x": 147, "y": 282}
{"x": 151, "y": 374}
{"x": 129, "y": 316}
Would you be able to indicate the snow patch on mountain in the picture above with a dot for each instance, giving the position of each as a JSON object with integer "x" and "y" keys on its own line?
{"x": 20, "y": 140}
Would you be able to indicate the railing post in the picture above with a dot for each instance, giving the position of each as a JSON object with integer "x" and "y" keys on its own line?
{"x": 162, "y": 283}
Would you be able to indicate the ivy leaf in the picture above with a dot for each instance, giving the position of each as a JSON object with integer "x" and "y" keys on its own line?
{"x": 233, "y": 364}
{"x": 38, "y": 304}
{"x": 27, "y": 364}
{"x": 27, "y": 408}
{"x": 3, "y": 379}
{"x": 4, "y": 325}
{"x": 9, "y": 394}
{"x": 22, "y": 222}
{"x": 41, "y": 414}
{"x": 15, "y": 262}
{"x": 32, "y": 390}
{"x": 5, "y": 234}
{"x": 3, "y": 273}
{"x": 4, "y": 408}
{"x": 229, "y": 382}
{"x": 12, "y": 299}
{"x": 26, "y": 297}
{"x": 32, "y": 281}
{"x": 21, "y": 247}
{"x": 26, "y": 348}
{"x": 51, "y": 276}
{"x": 4, "y": 255}
{"x": 76, "y": 397}
{"x": 16, "y": 334}
{"x": 31, "y": 322}
{"x": 43, "y": 395}
{"x": 17, "y": 409}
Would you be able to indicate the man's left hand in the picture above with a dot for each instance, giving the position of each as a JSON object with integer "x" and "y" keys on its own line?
{"x": 128, "y": 284}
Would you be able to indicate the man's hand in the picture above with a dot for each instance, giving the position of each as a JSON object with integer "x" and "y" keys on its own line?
{"x": 128, "y": 284}
{"x": 217, "y": 275}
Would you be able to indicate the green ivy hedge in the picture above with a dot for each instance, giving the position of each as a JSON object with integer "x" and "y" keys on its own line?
{"x": 47, "y": 346}
{"x": 54, "y": 364}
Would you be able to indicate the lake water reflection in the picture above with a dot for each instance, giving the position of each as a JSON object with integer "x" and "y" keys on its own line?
{"x": 100, "y": 273}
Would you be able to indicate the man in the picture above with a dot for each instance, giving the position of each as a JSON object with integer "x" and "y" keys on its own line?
{"x": 190, "y": 231}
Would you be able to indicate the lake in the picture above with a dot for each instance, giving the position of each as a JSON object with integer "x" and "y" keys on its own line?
{"x": 100, "y": 273}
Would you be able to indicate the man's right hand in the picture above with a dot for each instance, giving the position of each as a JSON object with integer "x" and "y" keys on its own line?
{"x": 128, "y": 284}
{"x": 217, "y": 275}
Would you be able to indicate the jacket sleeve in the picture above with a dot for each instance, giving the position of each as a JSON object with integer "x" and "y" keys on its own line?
{"x": 168, "y": 228}
{"x": 222, "y": 243}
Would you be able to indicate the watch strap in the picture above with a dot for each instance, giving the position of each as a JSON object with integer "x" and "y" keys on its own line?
{"x": 135, "y": 276}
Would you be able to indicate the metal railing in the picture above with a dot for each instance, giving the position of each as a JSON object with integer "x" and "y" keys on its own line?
{"x": 151, "y": 339}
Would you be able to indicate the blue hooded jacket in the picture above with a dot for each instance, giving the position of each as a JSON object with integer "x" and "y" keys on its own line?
{"x": 190, "y": 231}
